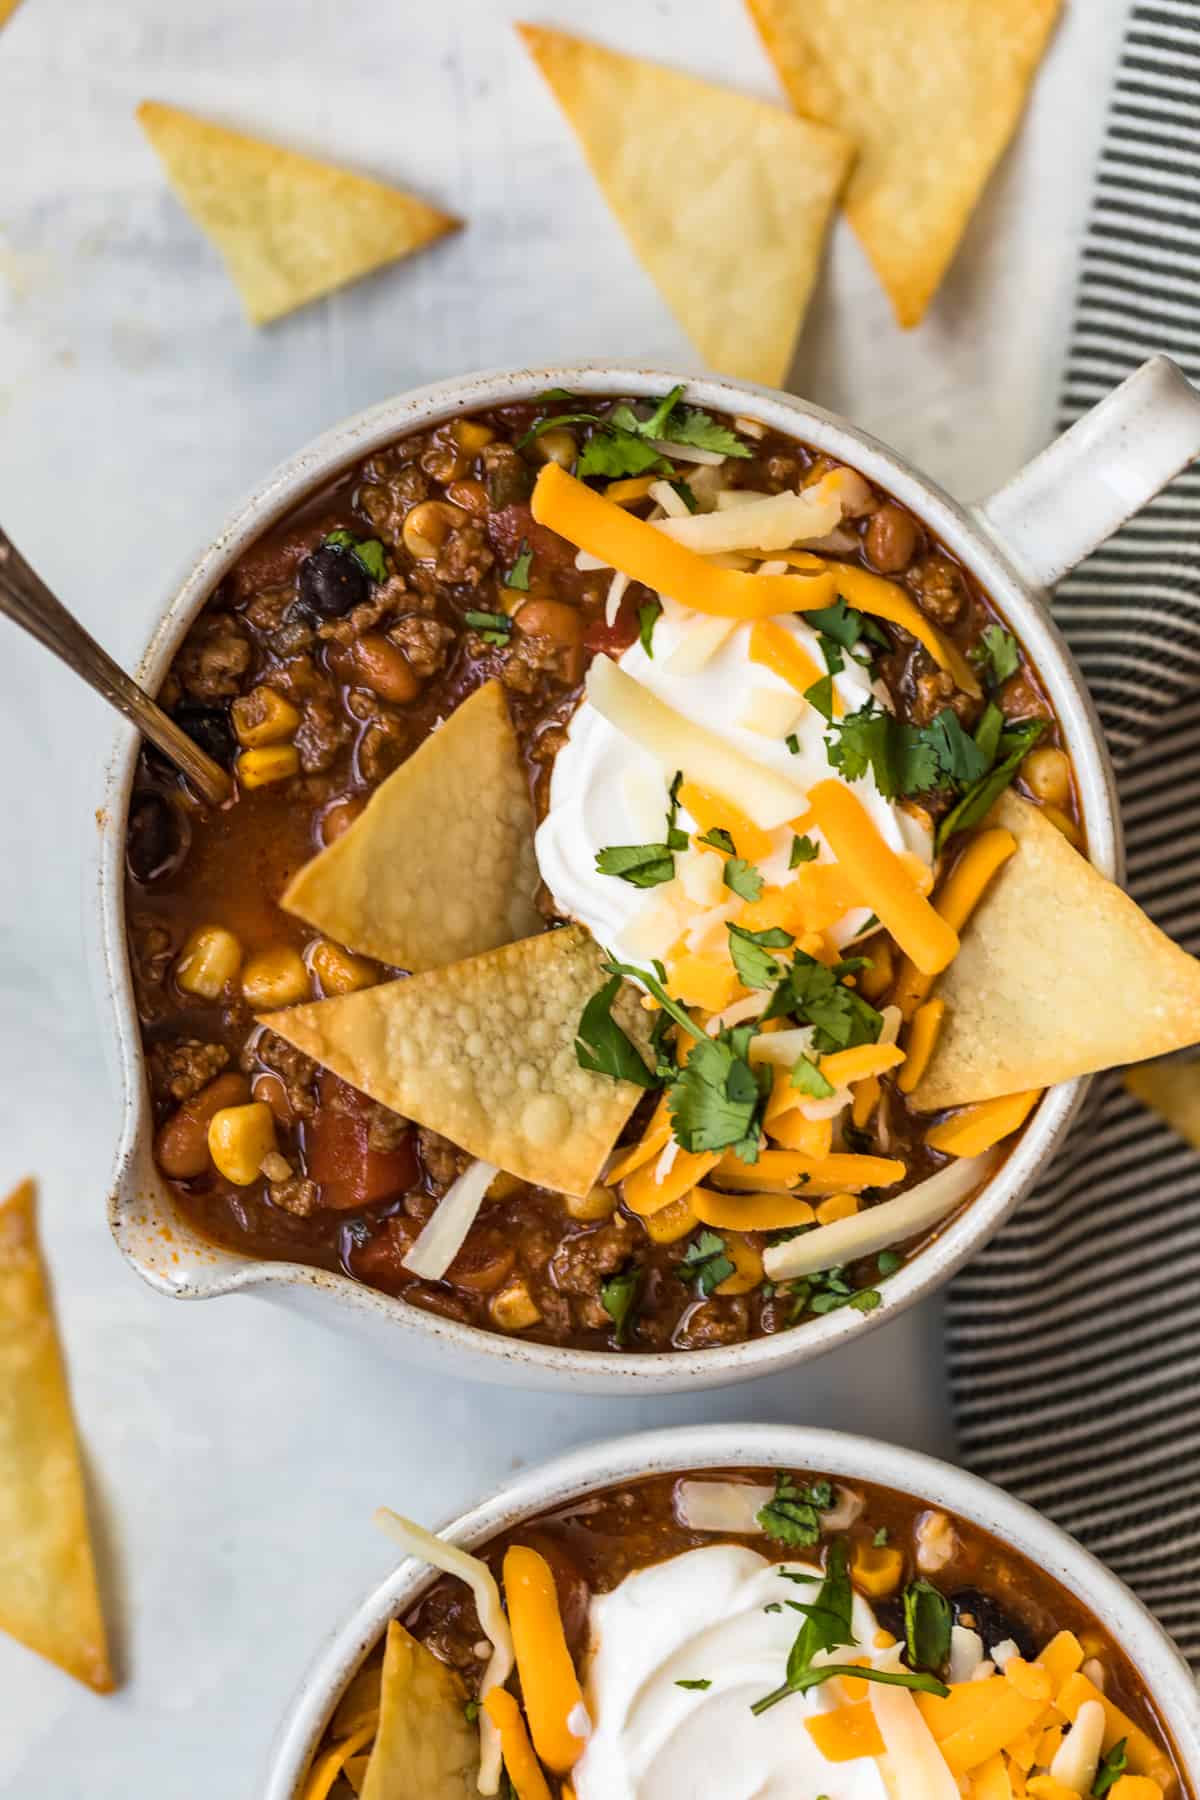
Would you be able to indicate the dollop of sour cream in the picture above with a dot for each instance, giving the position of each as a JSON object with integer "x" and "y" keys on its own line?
{"x": 702, "y": 1616}
{"x": 607, "y": 790}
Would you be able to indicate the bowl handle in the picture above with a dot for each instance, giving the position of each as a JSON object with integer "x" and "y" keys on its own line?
{"x": 1110, "y": 463}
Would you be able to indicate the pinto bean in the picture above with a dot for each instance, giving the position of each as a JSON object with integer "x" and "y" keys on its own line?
{"x": 181, "y": 1147}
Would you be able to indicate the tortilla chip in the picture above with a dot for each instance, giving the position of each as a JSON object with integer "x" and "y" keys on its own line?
{"x": 7, "y": 9}
{"x": 1171, "y": 1089}
{"x": 484, "y": 1052}
{"x": 440, "y": 865}
{"x": 1059, "y": 974}
{"x": 425, "y": 1748}
{"x": 725, "y": 200}
{"x": 289, "y": 228}
{"x": 48, "y": 1596}
{"x": 931, "y": 92}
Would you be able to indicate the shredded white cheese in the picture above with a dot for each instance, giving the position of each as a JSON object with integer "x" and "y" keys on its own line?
{"x": 442, "y": 1236}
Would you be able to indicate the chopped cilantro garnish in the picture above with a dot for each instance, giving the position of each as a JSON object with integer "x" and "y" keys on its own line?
{"x": 367, "y": 552}
{"x": 699, "y": 1684}
{"x": 622, "y": 444}
{"x": 808, "y": 1078}
{"x": 793, "y": 1515}
{"x": 604, "y": 1047}
{"x": 684, "y": 490}
{"x": 705, "y": 1261}
{"x": 642, "y": 865}
{"x": 518, "y": 575}
{"x": 493, "y": 628}
{"x": 648, "y": 617}
{"x": 880, "y": 1538}
{"x": 743, "y": 878}
{"x": 671, "y": 423}
{"x": 827, "y": 1627}
{"x": 927, "y": 1622}
{"x": 803, "y": 851}
{"x": 987, "y": 733}
{"x": 1112, "y": 1767}
{"x": 748, "y": 950}
{"x": 820, "y": 697}
{"x": 959, "y": 758}
{"x": 998, "y": 654}
{"x": 888, "y": 1262}
{"x": 904, "y": 759}
{"x": 793, "y": 743}
{"x": 720, "y": 839}
{"x": 619, "y": 1297}
{"x": 844, "y": 625}
{"x": 1013, "y": 747}
{"x": 815, "y": 995}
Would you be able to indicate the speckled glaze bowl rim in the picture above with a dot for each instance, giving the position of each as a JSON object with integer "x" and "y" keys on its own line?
{"x": 581, "y": 1471}
{"x": 142, "y": 1215}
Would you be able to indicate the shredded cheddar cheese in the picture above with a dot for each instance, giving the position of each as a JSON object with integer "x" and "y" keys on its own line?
{"x": 549, "y": 1684}
{"x": 974, "y": 1129}
{"x": 515, "y": 1747}
{"x": 880, "y": 876}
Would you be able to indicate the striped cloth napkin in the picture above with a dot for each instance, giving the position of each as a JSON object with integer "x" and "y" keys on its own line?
{"x": 1074, "y": 1340}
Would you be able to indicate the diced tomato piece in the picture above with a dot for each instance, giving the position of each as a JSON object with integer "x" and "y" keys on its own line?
{"x": 337, "y": 1157}
{"x": 610, "y": 640}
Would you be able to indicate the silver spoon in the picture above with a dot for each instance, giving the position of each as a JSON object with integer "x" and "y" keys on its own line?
{"x": 28, "y": 602}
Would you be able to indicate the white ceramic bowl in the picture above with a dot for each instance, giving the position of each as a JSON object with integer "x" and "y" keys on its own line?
{"x": 1167, "y": 1677}
{"x": 1017, "y": 543}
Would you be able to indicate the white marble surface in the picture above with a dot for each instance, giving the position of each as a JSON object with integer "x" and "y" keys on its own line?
{"x": 235, "y": 1452}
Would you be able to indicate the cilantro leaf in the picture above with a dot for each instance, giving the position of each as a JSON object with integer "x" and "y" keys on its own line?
{"x": 827, "y": 1627}
{"x": 656, "y": 425}
{"x": 648, "y": 617}
{"x": 803, "y": 851}
{"x": 1015, "y": 744}
{"x": 748, "y": 951}
{"x": 619, "y": 1297}
{"x": 716, "y": 1099}
{"x": 927, "y": 1622}
{"x": 816, "y": 996}
{"x": 705, "y": 1261}
{"x": 518, "y": 575}
{"x": 959, "y": 757}
{"x": 604, "y": 1047}
{"x": 494, "y": 628}
{"x": 552, "y": 421}
{"x": 612, "y": 452}
{"x": 880, "y": 1538}
{"x": 1112, "y": 1767}
{"x": 684, "y": 490}
{"x": 793, "y": 743}
{"x": 677, "y": 838}
{"x": 704, "y": 432}
{"x": 888, "y": 1262}
{"x": 700, "y": 1685}
{"x": 987, "y": 732}
{"x": 820, "y": 697}
{"x": 367, "y": 552}
{"x": 720, "y": 839}
{"x": 642, "y": 865}
{"x": 845, "y": 625}
{"x": 792, "y": 1515}
{"x": 743, "y": 878}
{"x": 998, "y": 654}
{"x": 808, "y": 1078}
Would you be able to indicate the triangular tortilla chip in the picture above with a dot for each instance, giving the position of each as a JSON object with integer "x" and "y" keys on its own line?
{"x": 440, "y": 865}
{"x": 7, "y": 9}
{"x": 484, "y": 1052}
{"x": 425, "y": 1748}
{"x": 1059, "y": 974}
{"x": 931, "y": 92}
{"x": 1171, "y": 1089}
{"x": 726, "y": 201}
{"x": 289, "y": 228}
{"x": 48, "y": 1596}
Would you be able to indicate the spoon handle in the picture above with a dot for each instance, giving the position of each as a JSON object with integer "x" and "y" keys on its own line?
{"x": 28, "y": 602}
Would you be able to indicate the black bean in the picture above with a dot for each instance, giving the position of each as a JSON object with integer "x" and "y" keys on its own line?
{"x": 332, "y": 581}
{"x": 993, "y": 1624}
{"x": 158, "y": 838}
{"x": 210, "y": 727}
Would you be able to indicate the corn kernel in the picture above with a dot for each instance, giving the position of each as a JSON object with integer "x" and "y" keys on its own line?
{"x": 275, "y": 977}
{"x": 512, "y": 1309}
{"x": 838, "y": 1206}
{"x": 209, "y": 961}
{"x": 276, "y": 1167}
{"x": 1063, "y": 823}
{"x": 239, "y": 1139}
{"x": 340, "y": 971}
{"x": 470, "y": 436}
{"x": 597, "y": 1203}
{"x": 556, "y": 446}
{"x": 263, "y": 717}
{"x": 876, "y": 980}
{"x": 274, "y": 762}
{"x": 876, "y": 1570}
